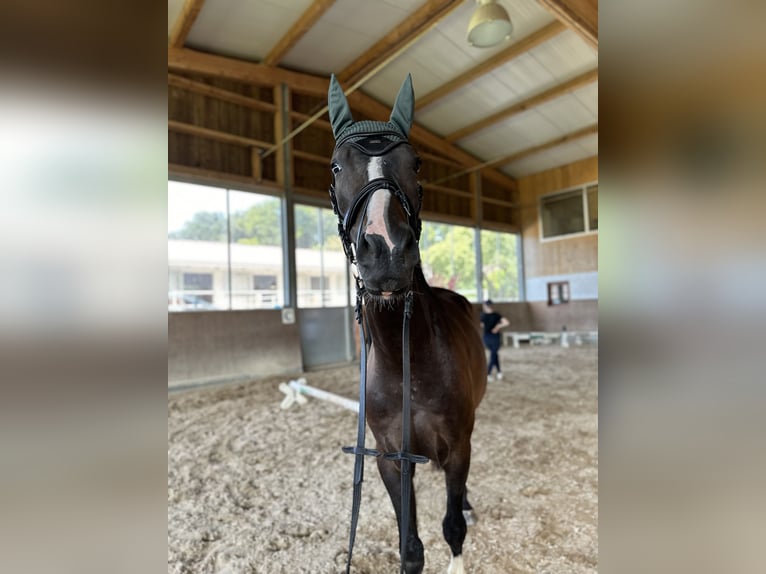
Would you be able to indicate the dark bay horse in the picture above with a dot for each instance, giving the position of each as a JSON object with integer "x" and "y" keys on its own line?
{"x": 377, "y": 198}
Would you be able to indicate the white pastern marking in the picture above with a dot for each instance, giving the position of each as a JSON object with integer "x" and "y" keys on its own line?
{"x": 376, "y": 209}
{"x": 456, "y": 565}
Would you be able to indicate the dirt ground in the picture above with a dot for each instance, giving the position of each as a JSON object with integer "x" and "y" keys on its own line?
{"x": 256, "y": 489}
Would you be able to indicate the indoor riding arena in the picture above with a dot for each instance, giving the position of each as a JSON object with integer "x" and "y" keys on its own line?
{"x": 264, "y": 347}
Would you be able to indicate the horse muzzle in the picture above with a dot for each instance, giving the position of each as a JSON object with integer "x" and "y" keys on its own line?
{"x": 386, "y": 272}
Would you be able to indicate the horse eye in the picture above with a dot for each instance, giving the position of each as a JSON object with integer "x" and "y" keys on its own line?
{"x": 335, "y": 168}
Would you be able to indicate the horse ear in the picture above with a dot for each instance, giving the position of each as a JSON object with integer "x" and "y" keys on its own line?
{"x": 340, "y": 113}
{"x": 404, "y": 106}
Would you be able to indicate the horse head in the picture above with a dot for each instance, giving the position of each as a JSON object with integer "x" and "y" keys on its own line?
{"x": 375, "y": 192}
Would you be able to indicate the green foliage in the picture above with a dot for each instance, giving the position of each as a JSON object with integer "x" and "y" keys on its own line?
{"x": 500, "y": 277}
{"x": 204, "y": 226}
{"x": 258, "y": 225}
{"x": 261, "y": 224}
{"x": 448, "y": 256}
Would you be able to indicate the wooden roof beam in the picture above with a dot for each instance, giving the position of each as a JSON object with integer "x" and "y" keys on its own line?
{"x": 525, "y": 44}
{"x": 191, "y": 61}
{"x": 184, "y": 23}
{"x": 549, "y": 94}
{"x": 297, "y": 31}
{"x": 414, "y": 25}
{"x": 581, "y": 16}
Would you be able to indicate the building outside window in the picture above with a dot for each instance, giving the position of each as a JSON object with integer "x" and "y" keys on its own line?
{"x": 319, "y": 259}
{"x": 225, "y": 252}
{"x": 231, "y": 238}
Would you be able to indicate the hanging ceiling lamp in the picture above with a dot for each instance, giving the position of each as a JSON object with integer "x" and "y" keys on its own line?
{"x": 489, "y": 25}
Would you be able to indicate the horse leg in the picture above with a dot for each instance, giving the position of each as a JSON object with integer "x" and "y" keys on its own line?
{"x": 391, "y": 475}
{"x": 454, "y": 524}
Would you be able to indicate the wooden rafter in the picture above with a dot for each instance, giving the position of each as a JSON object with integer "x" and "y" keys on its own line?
{"x": 217, "y": 135}
{"x": 184, "y": 23}
{"x": 191, "y": 61}
{"x": 527, "y": 43}
{"x": 414, "y": 25}
{"x": 297, "y": 30}
{"x": 578, "y": 15}
{"x": 536, "y": 100}
{"x": 219, "y": 93}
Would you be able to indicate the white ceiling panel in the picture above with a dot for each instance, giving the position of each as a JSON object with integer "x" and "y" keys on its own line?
{"x": 465, "y": 106}
{"x": 560, "y": 155}
{"x": 523, "y": 75}
{"x": 313, "y": 53}
{"x": 385, "y": 85}
{"x": 510, "y": 136}
{"x": 565, "y": 55}
{"x": 442, "y": 56}
{"x": 567, "y": 113}
{"x": 589, "y": 144}
{"x": 588, "y": 96}
{"x": 245, "y": 30}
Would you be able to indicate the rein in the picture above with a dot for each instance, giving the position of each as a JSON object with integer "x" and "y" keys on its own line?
{"x": 404, "y": 456}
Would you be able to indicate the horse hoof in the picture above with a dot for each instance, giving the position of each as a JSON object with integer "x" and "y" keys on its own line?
{"x": 470, "y": 517}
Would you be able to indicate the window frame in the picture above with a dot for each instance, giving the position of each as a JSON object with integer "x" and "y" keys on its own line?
{"x": 227, "y": 188}
{"x": 583, "y": 190}
{"x": 561, "y": 287}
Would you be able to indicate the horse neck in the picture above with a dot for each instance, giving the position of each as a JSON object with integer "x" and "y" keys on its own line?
{"x": 385, "y": 321}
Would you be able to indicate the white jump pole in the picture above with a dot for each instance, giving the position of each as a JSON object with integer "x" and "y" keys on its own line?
{"x": 294, "y": 390}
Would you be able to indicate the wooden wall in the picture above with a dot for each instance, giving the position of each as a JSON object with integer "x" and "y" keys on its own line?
{"x": 560, "y": 256}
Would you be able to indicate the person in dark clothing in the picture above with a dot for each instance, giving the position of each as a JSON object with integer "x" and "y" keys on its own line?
{"x": 492, "y": 322}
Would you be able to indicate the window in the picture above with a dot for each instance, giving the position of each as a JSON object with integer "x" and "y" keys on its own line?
{"x": 264, "y": 282}
{"x": 570, "y": 212}
{"x": 320, "y": 263}
{"x": 558, "y": 292}
{"x": 224, "y": 249}
{"x": 256, "y": 250}
{"x": 448, "y": 257}
{"x": 199, "y": 282}
{"x": 500, "y": 267}
{"x": 197, "y": 251}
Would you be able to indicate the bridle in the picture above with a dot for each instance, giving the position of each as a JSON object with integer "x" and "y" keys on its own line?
{"x": 373, "y": 144}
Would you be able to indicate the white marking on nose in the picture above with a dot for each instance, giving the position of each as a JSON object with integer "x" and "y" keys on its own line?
{"x": 376, "y": 216}
{"x": 375, "y": 168}
{"x": 378, "y": 205}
